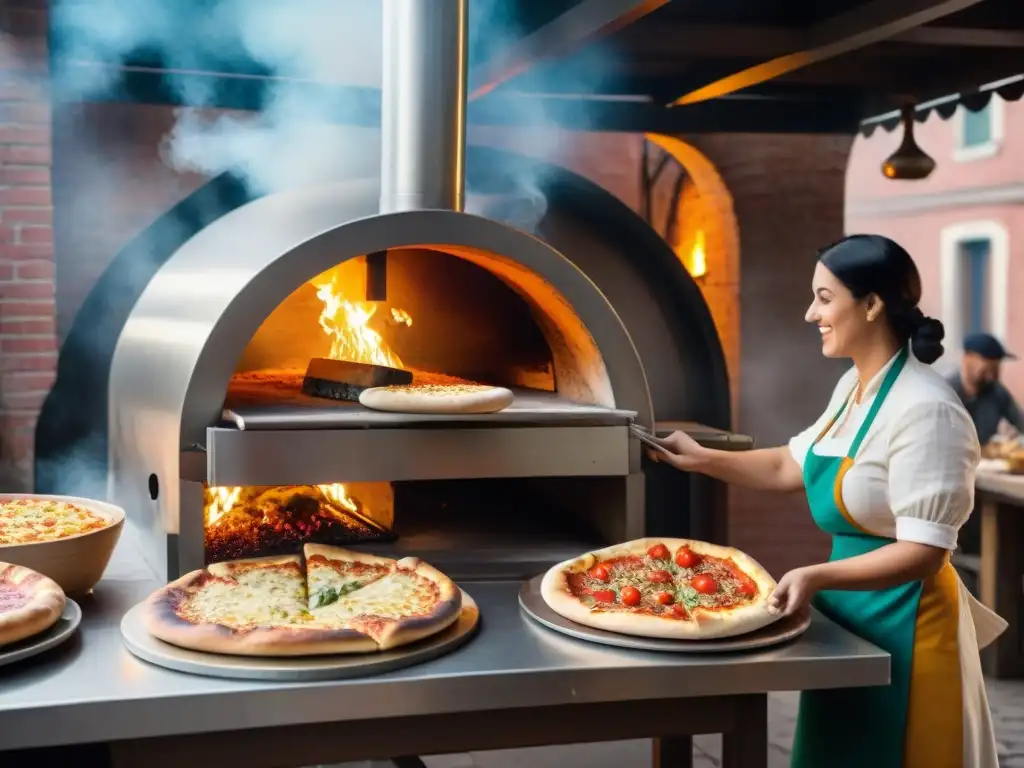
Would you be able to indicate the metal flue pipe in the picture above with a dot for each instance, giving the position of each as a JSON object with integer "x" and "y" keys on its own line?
{"x": 423, "y": 110}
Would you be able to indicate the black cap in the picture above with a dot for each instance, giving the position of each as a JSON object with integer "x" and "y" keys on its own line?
{"x": 987, "y": 346}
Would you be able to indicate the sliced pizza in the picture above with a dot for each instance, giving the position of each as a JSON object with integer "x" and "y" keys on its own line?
{"x": 30, "y": 603}
{"x": 665, "y": 588}
{"x": 341, "y": 602}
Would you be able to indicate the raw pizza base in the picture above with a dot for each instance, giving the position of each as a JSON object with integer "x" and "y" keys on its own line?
{"x": 283, "y": 623}
{"x": 437, "y": 398}
{"x": 38, "y": 599}
{"x": 705, "y": 624}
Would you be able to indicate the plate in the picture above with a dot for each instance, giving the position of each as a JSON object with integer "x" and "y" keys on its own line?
{"x": 300, "y": 668}
{"x": 781, "y": 631}
{"x": 63, "y": 629}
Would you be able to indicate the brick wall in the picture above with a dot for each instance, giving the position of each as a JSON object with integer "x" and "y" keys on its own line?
{"x": 28, "y": 341}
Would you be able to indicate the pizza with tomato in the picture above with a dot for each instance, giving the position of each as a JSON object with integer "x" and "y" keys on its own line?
{"x": 666, "y": 588}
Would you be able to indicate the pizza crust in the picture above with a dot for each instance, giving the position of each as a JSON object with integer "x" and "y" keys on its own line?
{"x": 44, "y": 607}
{"x": 369, "y": 634}
{"x": 706, "y": 624}
{"x": 438, "y": 399}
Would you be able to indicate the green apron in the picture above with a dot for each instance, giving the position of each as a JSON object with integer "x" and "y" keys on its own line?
{"x": 857, "y": 727}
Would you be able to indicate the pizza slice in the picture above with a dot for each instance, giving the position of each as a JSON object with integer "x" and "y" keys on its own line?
{"x": 412, "y": 601}
{"x": 30, "y": 603}
{"x": 668, "y": 588}
{"x": 333, "y": 572}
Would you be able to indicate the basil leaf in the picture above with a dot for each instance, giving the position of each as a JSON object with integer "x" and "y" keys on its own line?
{"x": 326, "y": 596}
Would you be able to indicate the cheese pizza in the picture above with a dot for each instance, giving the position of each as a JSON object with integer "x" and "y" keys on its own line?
{"x": 333, "y": 601}
{"x": 29, "y": 521}
{"x": 665, "y": 588}
{"x": 29, "y": 603}
{"x": 437, "y": 398}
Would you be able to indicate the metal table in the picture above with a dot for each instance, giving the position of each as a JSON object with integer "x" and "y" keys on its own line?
{"x": 1001, "y": 574}
{"x": 515, "y": 685}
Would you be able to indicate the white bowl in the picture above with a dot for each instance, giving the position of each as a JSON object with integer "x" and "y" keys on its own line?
{"x": 77, "y": 562}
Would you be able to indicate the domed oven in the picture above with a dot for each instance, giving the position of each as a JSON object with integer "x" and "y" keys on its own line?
{"x": 218, "y": 451}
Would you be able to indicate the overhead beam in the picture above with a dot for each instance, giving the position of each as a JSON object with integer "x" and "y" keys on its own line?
{"x": 583, "y": 23}
{"x": 865, "y": 25}
{"x": 726, "y": 41}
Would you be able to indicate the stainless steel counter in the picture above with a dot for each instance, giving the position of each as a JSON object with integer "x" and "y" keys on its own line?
{"x": 94, "y": 690}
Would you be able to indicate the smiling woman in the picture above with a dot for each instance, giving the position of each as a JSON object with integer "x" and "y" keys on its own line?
{"x": 888, "y": 470}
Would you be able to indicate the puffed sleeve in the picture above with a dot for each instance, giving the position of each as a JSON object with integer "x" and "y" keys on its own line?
{"x": 801, "y": 443}
{"x": 933, "y": 455}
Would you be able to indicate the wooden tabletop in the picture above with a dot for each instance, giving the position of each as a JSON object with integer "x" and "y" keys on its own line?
{"x": 1008, "y": 488}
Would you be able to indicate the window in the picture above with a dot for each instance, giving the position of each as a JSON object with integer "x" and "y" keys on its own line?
{"x": 974, "y": 272}
{"x": 979, "y": 134}
{"x": 974, "y": 285}
{"x": 977, "y": 127}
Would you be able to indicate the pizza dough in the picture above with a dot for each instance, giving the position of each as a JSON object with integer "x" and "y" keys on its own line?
{"x": 30, "y": 521}
{"x": 665, "y": 588}
{"x": 338, "y": 601}
{"x": 30, "y": 603}
{"x": 437, "y": 398}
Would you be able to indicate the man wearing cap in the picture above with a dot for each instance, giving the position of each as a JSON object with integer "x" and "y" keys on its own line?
{"x": 978, "y": 386}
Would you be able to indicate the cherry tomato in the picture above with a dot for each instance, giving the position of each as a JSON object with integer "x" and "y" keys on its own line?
{"x": 687, "y": 558}
{"x": 664, "y": 598}
{"x": 747, "y": 588}
{"x": 659, "y": 577}
{"x": 659, "y": 552}
{"x": 704, "y": 584}
{"x": 630, "y": 595}
{"x": 680, "y": 612}
{"x": 605, "y": 596}
{"x": 600, "y": 572}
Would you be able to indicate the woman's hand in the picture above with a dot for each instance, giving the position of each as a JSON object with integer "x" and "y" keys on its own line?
{"x": 794, "y": 592}
{"x": 683, "y": 452}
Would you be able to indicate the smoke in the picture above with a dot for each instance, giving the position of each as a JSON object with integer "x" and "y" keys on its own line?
{"x": 294, "y": 139}
{"x": 293, "y": 47}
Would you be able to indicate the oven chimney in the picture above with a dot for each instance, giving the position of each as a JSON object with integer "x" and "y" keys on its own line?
{"x": 423, "y": 108}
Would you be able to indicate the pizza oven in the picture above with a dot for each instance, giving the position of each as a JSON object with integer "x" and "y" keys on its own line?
{"x": 218, "y": 452}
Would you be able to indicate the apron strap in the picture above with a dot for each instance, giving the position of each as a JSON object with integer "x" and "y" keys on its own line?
{"x": 883, "y": 391}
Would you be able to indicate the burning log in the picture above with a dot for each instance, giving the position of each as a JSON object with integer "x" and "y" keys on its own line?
{"x": 345, "y": 380}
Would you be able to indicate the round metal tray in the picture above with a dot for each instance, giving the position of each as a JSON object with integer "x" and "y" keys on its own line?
{"x": 300, "y": 668}
{"x": 63, "y": 629}
{"x": 783, "y": 630}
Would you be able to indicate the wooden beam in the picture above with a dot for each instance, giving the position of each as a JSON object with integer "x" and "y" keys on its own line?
{"x": 726, "y": 41}
{"x": 871, "y": 23}
{"x": 583, "y": 23}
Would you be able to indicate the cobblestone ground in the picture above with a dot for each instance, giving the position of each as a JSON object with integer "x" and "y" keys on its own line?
{"x": 1005, "y": 698}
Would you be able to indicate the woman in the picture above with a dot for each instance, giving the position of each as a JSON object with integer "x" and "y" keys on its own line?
{"x": 888, "y": 470}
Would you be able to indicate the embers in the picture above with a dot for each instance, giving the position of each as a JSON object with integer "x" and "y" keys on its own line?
{"x": 254, "y": 521}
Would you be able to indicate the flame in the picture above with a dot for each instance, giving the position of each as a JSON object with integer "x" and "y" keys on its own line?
{"x": 220, "y": 502}
{"x": 401, "y": 317}
{"x": 698, "y": 256}
{"x": 347, "y": 323}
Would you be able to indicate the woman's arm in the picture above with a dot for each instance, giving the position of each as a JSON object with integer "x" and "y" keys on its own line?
{"x": 766, "y": 469}
{"x": 888, "y": 566}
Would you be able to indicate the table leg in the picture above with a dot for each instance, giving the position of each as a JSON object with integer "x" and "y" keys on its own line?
{"x": 1001, "y": 582}
{"x": 746, "y": 745}
{"x": 675, "y": 752}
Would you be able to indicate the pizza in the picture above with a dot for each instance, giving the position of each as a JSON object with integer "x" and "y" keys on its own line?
{"x": 437, "y": 398}
{"x": 331, "y": 601}
{"x": 30, "y": 521}
{"x": 666, "y": 588}
{"x": 29, "y": 603}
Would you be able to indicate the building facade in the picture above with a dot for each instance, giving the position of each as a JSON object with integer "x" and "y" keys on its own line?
{"x": 964, "y": 224}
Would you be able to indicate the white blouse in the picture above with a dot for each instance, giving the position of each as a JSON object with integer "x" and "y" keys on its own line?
{"x": 913, "y": 476}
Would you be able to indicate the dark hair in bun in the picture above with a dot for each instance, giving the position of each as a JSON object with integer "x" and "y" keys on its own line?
{"x": 868, "y": 264}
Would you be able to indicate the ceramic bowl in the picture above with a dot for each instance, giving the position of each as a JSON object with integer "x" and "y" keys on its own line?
{"x": 76, "y": 563}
